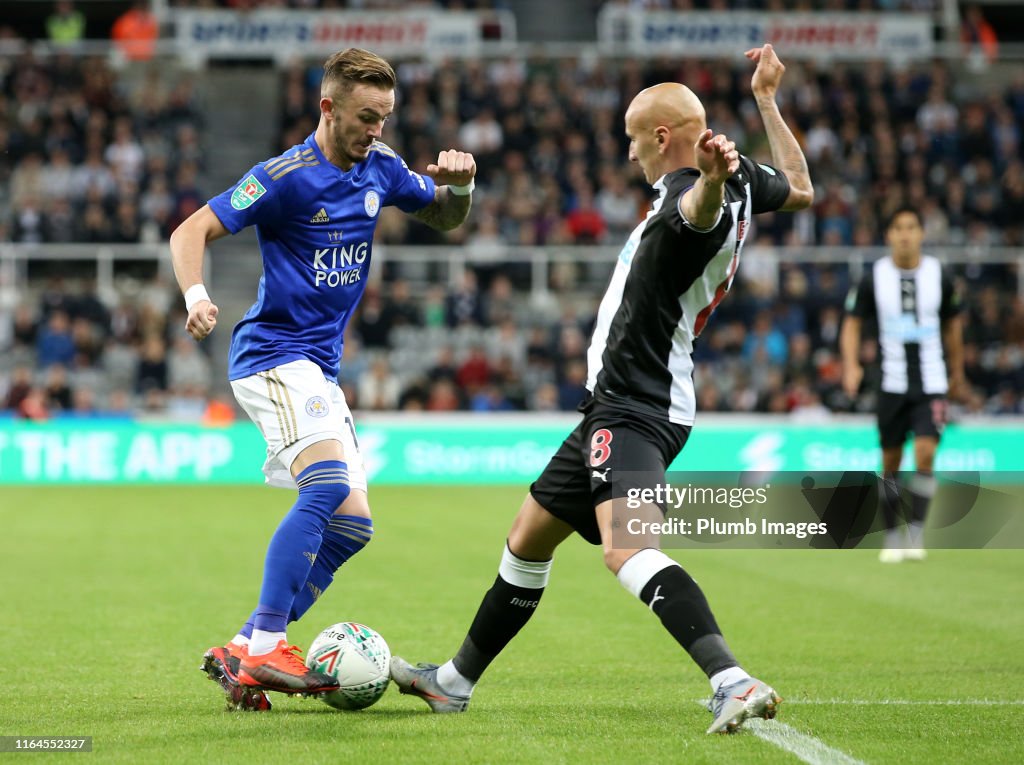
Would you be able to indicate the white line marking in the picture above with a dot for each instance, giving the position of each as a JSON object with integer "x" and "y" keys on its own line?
{"x": 910, "y": 702}
{"x": 904, "y": 702}
{"x": 811, "y": 750}
{"x": 814, "y": 751}
{"x": 803, "y": 746}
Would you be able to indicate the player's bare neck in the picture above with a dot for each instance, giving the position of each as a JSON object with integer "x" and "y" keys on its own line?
{"x": 336, "y": 159}
{"x": 907, "y": 262}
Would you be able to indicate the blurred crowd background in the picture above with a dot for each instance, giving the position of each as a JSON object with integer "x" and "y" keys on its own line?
{"x": 90, "y": 155}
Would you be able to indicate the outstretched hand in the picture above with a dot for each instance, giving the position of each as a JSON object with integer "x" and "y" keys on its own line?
{"x": 716, "y": 156}
{"x": 453, "y": 168}
{"x": 769, "y": 71}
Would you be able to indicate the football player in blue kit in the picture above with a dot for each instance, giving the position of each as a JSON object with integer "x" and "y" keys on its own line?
{"x": 315, "y": 209}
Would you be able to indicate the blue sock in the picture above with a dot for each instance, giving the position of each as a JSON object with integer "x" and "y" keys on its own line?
{"x": 344, "y": 536}
{"x": 293, "y": 549}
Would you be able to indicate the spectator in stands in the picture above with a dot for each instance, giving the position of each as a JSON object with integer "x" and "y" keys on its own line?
{"x": 474, "y": 372}
{"x": 354, "y": 364}
{"x": 18, "y": 390}
{"x": 151, "y": 370}
{"x": 187, "y": 368}
{"x": 374, "y": 323}
{"x": 978, "y": 36}
{"x": 83, "y": 404}
{"x": 765, "y": 343}
{"x": 135, "y": 32}
{"x": 444, "y": 367}
{"x": 544, "y": 398}
{"x": 443, "y": 397}
{"x": 65, "y": 25}
{"x": 379, "y": 388}
{"x": 506, "y": 341}
{"x": 491, "y": 398}
{"x": 57, "y": 389}
{"x": 463, "y": 304}
{"x": 24, "y": 326}
{"x": 585, "y": 223}
{"x": 400, "y": 310}
{"x": 54, "y": 344}
{"x": 124, "y": 154}
{"x": 572, "y": 388}
{"x": 33, "y": 405}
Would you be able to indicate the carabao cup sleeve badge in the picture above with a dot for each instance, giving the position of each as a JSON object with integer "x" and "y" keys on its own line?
{"x": 248, "y": 191}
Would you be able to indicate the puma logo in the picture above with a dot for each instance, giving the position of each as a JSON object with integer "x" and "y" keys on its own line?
{"x": 656, "y": 598}
{"x": 603, "y": 475}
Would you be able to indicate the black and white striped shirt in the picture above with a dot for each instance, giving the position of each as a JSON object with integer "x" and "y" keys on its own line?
{"x": 909, "y": 306}
{"x": 668, "y": 279}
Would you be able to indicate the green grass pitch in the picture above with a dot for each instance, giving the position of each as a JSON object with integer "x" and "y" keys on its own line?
{"x": 111, "y": 595}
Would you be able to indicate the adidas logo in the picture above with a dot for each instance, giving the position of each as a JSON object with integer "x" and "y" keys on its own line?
{"x": 320, "y": 217}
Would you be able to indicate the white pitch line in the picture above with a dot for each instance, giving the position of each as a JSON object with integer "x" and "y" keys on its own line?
{"x": 803, "y": 746}
{"x": 908, "y": 702}
{"x": 811, "y": 750}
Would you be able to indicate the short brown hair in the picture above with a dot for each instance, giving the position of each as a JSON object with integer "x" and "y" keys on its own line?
{"x": 347, "y": 67}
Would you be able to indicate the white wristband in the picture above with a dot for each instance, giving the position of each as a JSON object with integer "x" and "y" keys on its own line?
{"x": 463, "y": 191}
{"x": 195, "y": 294}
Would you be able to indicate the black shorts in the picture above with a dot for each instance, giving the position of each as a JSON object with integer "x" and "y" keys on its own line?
{"x": 900, "y": 414}
{"x": 607, "y": 442}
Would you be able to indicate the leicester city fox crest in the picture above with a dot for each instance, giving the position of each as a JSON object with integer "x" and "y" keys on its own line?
{"x": 371, "y": 203}
{"x": 316, "y": 407}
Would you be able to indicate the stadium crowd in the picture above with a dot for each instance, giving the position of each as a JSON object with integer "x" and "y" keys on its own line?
{"x": 84, "y": 158}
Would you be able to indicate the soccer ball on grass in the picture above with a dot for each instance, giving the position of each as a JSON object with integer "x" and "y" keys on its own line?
{"x": 358, "y": 658}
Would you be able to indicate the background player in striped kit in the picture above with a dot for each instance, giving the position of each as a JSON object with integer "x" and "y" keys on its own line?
{"x": 674, "y": 269}
{"x": 917, "y": 309}
{"x": 315, "y": 209}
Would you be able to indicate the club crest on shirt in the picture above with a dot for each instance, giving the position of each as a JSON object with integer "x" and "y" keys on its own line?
{"x": 371, "y": 203}
{"x": 316, "y": 407}
{"x": 248, "y": 191}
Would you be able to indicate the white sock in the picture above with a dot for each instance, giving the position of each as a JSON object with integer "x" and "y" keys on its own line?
{"x": 240, "y": 639}
{"x": 264, "y": 642}
{"x": 454, "y": 683}
{"x": 725, "y": 677}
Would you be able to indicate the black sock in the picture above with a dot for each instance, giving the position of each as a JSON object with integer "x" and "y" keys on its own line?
{"x": 678, "y": 601}
{"x": 505, "y": 610}
{"x": 890, "y": 500}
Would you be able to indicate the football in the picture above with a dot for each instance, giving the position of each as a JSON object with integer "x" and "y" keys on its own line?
{"x": 360, "y": 660}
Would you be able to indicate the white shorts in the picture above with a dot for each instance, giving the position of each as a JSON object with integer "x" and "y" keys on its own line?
{"x": 295, "y": 406}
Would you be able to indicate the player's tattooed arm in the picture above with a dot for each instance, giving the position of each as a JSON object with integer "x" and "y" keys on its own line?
{"x": 446, "y": 212}
{"x": 786, "y": 152}
{"x": 449, "y": 209}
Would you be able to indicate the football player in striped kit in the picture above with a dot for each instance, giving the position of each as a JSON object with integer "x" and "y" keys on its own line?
{"x": 917, "y": 309}
{"x": 675, "y": 267}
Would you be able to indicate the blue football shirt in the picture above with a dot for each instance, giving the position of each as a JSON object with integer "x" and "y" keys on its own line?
{"x": 315, "y": 224}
